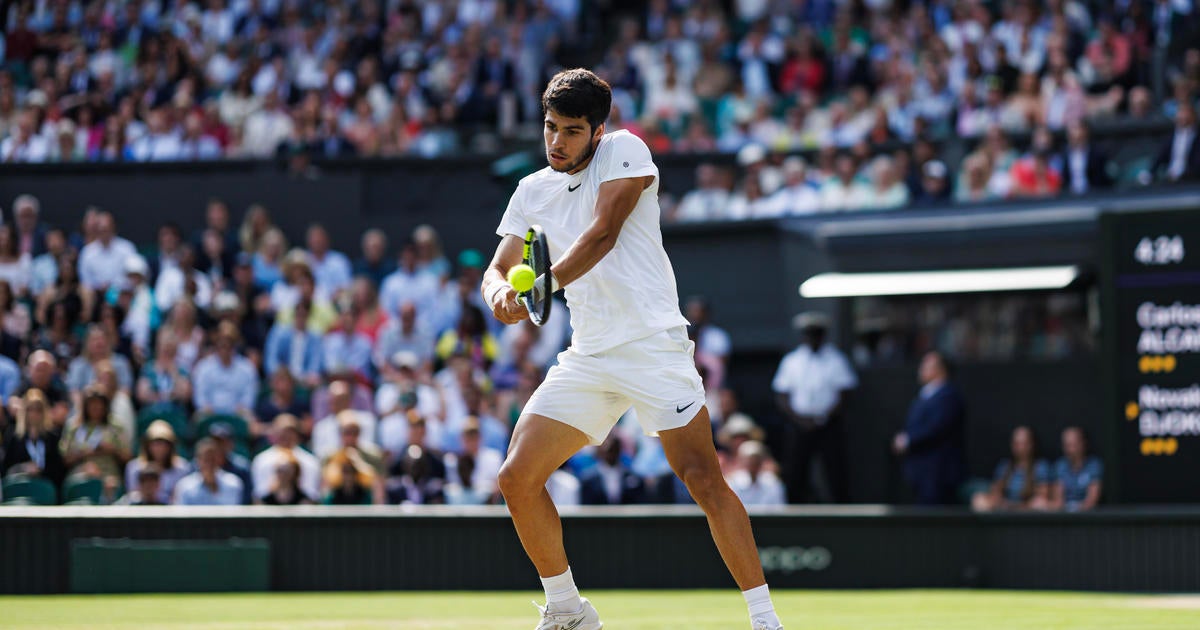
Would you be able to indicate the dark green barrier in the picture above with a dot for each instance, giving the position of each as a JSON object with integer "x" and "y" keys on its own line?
{"x": 100, "y": 565}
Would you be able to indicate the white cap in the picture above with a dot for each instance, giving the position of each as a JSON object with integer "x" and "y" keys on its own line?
{"x": 751, "y": 154}
{"x": 135, "y": 264}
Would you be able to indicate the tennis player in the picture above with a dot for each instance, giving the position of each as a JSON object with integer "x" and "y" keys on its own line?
{"x": 598, "y": 204}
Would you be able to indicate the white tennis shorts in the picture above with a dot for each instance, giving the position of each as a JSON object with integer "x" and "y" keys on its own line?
{"x": 656, "y": 376}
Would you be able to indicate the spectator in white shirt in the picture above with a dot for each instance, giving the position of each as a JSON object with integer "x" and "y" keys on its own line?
{"x": 160, "y": 143}
{"x": 842, "y": 191}
{"x": 486, "y": 461}
{"x": 326, "y": 433}
{"x": 798, "y": 196}
{"x": 810, "y": 389}
{"x": 887, "y": 190}
{"x": 285, "y": 431}
{"x": 183, "y": 280}
{"x": 102, "y": 261}
{"x": 402, "y": 395}
{"x": 195, "y": 144}
{"x": 331, "y": 268}
{"x": 708, "y": 201}
{"x": 406, "y": 333}
{"x": 266, "y": 128}
{"x": 23, "y": 143}
{"x": 751, "y": 481}
{"x": 408, "y": 284}
{"x": 225, "y": 382}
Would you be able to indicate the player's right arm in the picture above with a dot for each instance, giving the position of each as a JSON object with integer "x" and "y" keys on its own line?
{"x": 498, "y": 294}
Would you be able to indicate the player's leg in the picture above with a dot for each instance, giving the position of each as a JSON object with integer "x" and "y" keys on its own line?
{"x": 692, "y": 456}
{"x": 539, "y": 446}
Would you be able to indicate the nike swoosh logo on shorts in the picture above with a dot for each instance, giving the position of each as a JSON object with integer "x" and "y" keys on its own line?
{"x": 685, "y": 408}
{"x": 569, "y": 189}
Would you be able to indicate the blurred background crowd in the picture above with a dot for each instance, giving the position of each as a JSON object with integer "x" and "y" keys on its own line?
{"x": 234, "y": 366}
{"x": 829, "y": 105}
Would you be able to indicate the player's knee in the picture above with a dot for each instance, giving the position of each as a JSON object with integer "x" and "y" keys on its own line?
{"x": 515, "y": 483}
{"x": 705, "y": 483}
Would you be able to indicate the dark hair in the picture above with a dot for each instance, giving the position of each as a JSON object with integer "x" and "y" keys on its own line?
{"x": 578, "y": 93}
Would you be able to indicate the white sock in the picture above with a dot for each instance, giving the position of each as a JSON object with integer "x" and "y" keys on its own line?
{"x": 561, "y": 594}
{"x": 758, "y": 600}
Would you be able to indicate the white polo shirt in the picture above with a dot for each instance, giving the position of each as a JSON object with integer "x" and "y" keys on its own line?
{"x": 630, "y": 294}
{"x": 813, "y": 381}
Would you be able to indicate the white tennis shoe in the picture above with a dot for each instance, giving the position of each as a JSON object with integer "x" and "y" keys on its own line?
{"x": 586, "y": 618}
{"x": 762, "y": 624}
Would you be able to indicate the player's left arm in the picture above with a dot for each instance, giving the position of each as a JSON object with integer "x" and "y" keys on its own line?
{"x": 615, "y": 201}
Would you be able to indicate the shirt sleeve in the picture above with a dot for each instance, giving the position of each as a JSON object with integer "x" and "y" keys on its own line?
{"x": 514, "y": 221}
{"x": 846, "y": 378}
{"x": 628, "y": 156}
{"x": 780, "y": 383}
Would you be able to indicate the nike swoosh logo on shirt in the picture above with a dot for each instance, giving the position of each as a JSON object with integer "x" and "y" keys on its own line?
{"x": 683, "y": 409}
{"x": 569, "y": 189}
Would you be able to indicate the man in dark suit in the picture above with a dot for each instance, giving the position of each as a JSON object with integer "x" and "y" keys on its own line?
{"x": 31, "y": 232}
{"x": 932, "y": 442}
{"x": 1179, "y": 158}
{"x": 611, "y": 482}
{"x": 1084, "y": 166}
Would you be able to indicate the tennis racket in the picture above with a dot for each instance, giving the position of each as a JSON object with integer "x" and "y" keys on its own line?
{"x": 537, "y": 256}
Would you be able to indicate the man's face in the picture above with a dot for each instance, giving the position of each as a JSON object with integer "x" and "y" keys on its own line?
{"x": 168, "y": 240}
{"x": 105, "y": 229}
{"x": 318, "y": 241}
{"x": 569, "y": 141}
{"x": 42, "y": 371}
{"x": 349, "y": 436}
{"x": 217, "y": 216}
{"x": 930, "y": 368}
{"x": 149, "y": 487}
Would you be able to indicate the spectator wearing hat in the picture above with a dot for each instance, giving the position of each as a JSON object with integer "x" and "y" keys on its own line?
{"x": 285, "y": 431}
{"x": 158, "y": 452}
{"x": 285, "y": 487}
{"x": 225, "y": 382}
{"x": 330, "y": 268}
{"x": 932, "y": 442}
{"x": 143, "y": 317}
{"x": 344, "y": 350}
{"x": 374, "y": 262}
{"x": 935, "y": 183}
{"x": 798, "y": 196}
{"x": 326, "y": 431}
{"x": 738, "y": 429}
{"x": 102, "y": 261}
{"x": 209, "y": 485}
{"x": 610, "y": 481}
{"x": 752, "y": 481}
{"x": 91, "y": 446}
{"x": 33, "y": 447}
{"x": 810, "y": 387}
{"x": 146, "y": 489}
{"x": 295, "y": 347}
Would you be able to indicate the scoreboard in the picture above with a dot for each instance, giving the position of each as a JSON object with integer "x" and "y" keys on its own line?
{"x": 1150, "y": 285}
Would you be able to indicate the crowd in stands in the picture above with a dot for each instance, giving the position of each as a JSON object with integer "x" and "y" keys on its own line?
{"x": 870, "y": 90}
{"x": 228, "y": 367}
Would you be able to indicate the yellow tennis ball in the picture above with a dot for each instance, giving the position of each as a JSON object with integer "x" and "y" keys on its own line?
{"x": 521, "y": 278}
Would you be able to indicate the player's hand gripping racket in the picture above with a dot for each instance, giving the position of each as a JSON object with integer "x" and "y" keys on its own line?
{"x": 537, "y": 256}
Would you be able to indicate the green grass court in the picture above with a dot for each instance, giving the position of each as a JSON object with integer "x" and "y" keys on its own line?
{"x": 622, "y": 610}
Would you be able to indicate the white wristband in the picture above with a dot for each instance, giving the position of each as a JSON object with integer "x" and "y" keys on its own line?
{"x": 500, "y": 286}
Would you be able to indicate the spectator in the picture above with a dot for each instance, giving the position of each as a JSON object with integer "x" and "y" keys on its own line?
{"x": 404, "y": 333}
{"x": 485, "y": 462}
{"x": 216, "y": 219}
{"x": 708, "y": 200}
{"x": 326, "y": 432}
{"x": 932, "y": 442}
{"x": 189, "y": 335}
{"x": 331, "y": 268}
{"x": 460, "y": 485}
{"x": 751, "y": 481}
{"x": 428, "y": 248}
{"x": 14, "y": 315}
{"x": 268, "y": 258}
{"x": 209, "y": 485}
{"x": 33, "y": 448}
{"x": 102, "y": 261}
{"x": 408, "y": 284}
{"x": 285, "y": 430}
{"x": 143, "y": 315}
{"x": 267, "y": 128}
{"x": 350, "y": 432}
{"x": 798, "y": 196}
{"x": 160, "y": 143}
{"x": 121, "y": 413}
{"x": 738, "y": 429}
{"x": 146, "y": 489}
{"x": 97, "y": 348}
{"x": 811, "y": 386}
{"x": 1085, "y": 167}
{"x": 399, "y": 397}
{"x": 369, "y": 318}
{"x": 285, "y": 487}
{"x": 973, "y": 181}
{"x": 183, "y": 280}
{"x": 295, "y": 347}
{"x": 301, "y": 285}
{"x": 15, "y": 268}
{"x": 91, "y": 446}
{"x": 470, "y": 339}
{"x": 158, "y": 452}
{"x": 282, "y": 399}
{"x": 1020, "y": 483}
{"x": 10, "y": 378}
{"x": 374, "y": 262}
{"x": 1078, "y": 475}
{"x": 935, "y": 186}
{"x": 163, "y": 383}
{"x": 610, "y": 481}
{"x": 30, "y": 232}
{"x": 225, "y": 382}
{"x": 842, "y": 191}
{"x": 43, "y": 272}
{"x": 1033, "y": 175}
{"x": 1179, "y": 159}
{"x": 418, "y": 477}
{"x": 344, "y": 350}
{"x": 23, "y": 143}
{"x": 564, "y": 488}
{"x": 887, "y": 190}
{"x": 41, "y": 373}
